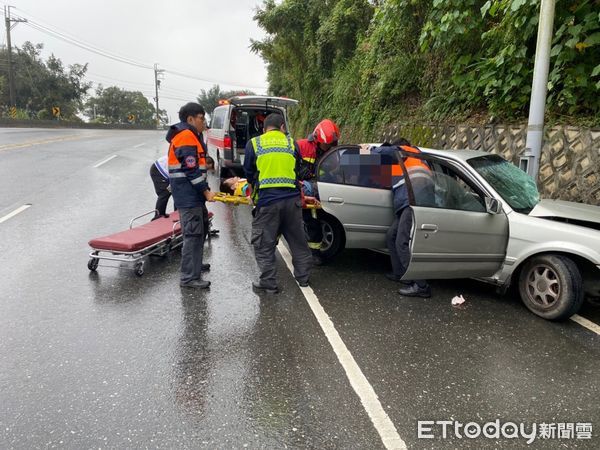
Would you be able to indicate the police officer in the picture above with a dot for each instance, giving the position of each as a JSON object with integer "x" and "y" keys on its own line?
{"x": 189, "y": 187}
{"x": 271, "y": 162}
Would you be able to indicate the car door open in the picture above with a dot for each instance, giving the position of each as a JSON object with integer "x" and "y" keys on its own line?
{"x": 457, "y": 233}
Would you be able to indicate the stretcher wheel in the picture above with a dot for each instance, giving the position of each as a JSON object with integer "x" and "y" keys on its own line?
{"x": 93, "y": 264}
{"x": 138, "y": 269}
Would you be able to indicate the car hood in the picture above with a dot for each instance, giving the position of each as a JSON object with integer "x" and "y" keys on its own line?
{"x": 566, "y": 210}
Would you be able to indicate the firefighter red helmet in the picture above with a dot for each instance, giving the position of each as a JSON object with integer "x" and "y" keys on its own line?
{"x": 326, "y": 132}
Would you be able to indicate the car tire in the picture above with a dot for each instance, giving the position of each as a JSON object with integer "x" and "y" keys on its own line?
{"x": 334, "y": 238}
{"x": 551, "y": 286}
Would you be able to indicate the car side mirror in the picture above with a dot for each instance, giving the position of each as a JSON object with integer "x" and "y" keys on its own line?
{"x": 493, "y": 205}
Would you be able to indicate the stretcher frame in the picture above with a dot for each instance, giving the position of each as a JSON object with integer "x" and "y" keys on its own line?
{"x": 137, "y": 257}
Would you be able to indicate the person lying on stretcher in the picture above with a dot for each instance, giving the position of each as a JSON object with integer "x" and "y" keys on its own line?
{"x": 241, "y": 188}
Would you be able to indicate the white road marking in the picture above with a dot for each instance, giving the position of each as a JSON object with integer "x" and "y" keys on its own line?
{"x": 586, "y": 323}
{"x": 20, "y": 209}
{"x": 139, "y": 145}
{"x": 383, "y": 424}
{"x": 105, "y": 161}
{"x": 46, "y": 141}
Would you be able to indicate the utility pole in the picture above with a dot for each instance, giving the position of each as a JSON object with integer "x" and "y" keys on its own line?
{"x": 11, "y": 75}
{"x": 156, "y": 86}
{"x": 535, "y": 128}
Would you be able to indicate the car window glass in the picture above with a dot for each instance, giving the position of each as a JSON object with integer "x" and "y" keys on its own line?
{"x": 362, "y": 168}
{"x": 514, "y": 185}
{"x": 450, "y": 190}
{"x": 218, "y": 118}
{"x": 330, "y": 170}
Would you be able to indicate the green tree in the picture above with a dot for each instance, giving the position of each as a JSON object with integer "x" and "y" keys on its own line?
{"x": 114, "y": 105}
{"x": 307, "y": 43}
{"x": 209, "y": 99}
{"x": 367, "y": 64}
{"x": 41, "y": 85}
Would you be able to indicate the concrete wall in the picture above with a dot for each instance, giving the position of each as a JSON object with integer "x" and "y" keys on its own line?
{"x": 570, "y": 162}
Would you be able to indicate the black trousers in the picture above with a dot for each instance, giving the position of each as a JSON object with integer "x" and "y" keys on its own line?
{"x": 161, "y": 188}
{"x": 398, "y": 243}
{"x": 282, "y": 217}
{"x": 192, "y": 226}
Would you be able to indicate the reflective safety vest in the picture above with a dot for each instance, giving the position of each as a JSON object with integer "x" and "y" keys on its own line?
{"x": 419, "y": 174}
{"x": 275, "y": 160}
{"x": 187, "y": 169}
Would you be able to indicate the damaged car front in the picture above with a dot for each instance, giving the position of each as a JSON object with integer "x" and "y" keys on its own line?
{"x": 553, "y": 251}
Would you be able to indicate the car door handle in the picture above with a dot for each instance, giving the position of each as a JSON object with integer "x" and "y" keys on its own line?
{"x": 336, "y": 200}
{"x": 429, "y": 227}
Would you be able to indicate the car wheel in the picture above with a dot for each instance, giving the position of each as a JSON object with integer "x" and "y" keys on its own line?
{"x": 333, "y": 236}
{"x": 551, "y": 287}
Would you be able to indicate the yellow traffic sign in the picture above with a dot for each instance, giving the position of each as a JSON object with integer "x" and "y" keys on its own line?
{"x": 131, "y": 117}
{"x": 56, "y": 111}
{"x": 13, "y": 112}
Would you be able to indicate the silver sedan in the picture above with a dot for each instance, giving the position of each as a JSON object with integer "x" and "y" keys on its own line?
{"x": 484, "y": 220}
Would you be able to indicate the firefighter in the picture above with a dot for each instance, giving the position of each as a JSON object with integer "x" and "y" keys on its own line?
{"x": 399, "y": 233}
{"x": 189, "y": 187}
{"x": 271, "y": 162}
{"x": 325, "y": 136}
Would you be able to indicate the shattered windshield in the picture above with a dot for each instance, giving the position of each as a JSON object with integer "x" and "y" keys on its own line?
{"x": 516, "y": 187}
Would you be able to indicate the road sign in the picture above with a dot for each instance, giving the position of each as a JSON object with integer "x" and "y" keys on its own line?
{"x": 56, "y": 111}
{"x": 131, "y": 118}
{"x": 13, "y": 112}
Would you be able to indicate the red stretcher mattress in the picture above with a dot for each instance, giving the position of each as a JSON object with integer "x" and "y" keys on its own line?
{"x": 140, "y": 237}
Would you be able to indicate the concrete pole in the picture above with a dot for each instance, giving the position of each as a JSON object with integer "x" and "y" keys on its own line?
{"x": 156, "y": 83}
{"x": 11, "y": 75}
{"x": 535, "y": 127}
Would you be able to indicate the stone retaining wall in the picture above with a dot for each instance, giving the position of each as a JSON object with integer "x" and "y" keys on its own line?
{"x": 570, "y": 161}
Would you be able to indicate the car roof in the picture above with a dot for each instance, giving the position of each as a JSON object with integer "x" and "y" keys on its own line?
{"x": 262, "y": 100}
{"x": 461, "y": 154}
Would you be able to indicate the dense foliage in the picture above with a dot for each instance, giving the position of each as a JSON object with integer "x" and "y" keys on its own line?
{"x": 368, "y": 64}
{"x": 41, "y": 85}
{"x": 113, "y": 105}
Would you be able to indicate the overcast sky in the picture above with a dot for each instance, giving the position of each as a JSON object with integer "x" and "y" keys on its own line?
{"x": 209, "y": 39}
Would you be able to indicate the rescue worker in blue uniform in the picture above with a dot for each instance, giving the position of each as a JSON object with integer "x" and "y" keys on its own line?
{"x": 189, "y": 187}
{"x": 271, "y": 164}
{"x": 399, "y": 234}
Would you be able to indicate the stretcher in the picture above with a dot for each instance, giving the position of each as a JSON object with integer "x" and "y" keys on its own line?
{"x": 307, "y": 202}
{"x": 134, "y": 245}
{"x": 232, "y": 199}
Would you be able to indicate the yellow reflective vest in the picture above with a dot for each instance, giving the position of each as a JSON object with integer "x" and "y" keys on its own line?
{"x": 275, "y": 160}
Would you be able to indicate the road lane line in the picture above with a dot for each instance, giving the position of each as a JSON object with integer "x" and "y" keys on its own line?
{"x": 71, "y": 137}
{"x": 586, "y": 323}
{"x": 383, "y": 424}
{"x": 105, "y": 161}
{"x": 139, "y": 145}
{"x": 20, "y": 209}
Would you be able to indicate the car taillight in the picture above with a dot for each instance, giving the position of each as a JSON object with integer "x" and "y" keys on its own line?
{"x": 227, "y": 142}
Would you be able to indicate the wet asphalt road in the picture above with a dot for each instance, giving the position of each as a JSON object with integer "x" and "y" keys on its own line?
{"x": 110, "y": 360}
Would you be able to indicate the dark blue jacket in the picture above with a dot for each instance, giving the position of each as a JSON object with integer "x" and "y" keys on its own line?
{"x": 187, "y": 165}
{"x": 399, "y": 189}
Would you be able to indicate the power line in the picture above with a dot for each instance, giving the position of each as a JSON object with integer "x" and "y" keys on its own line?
{"x": 89, "y": 47}
{"x": 86, "y": 46}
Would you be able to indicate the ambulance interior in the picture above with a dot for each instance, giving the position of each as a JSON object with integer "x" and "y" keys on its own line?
{"x": 246, "y": 123}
